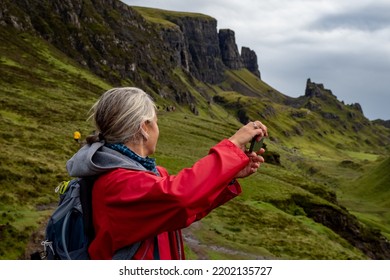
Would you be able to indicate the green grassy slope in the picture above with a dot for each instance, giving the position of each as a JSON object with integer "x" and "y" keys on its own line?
{"x": 44, "y": 98}
{"x": 368, "y": 196}
{"x": 375, "y": 185}
{"x": 163, "y": 17}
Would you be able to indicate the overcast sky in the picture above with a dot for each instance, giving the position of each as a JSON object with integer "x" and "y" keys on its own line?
{"x": 344, "y": 44}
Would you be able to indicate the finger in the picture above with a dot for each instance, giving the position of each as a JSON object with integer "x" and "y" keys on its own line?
{"x": 252, "y": 155}
{"x": 259, "y": 124}
{"x": 257, "y": 159}
{"x": 255, "y": 156}
{"x": 259, "y": 133}
{"x": 264, "y": 131}
{"x": 261, "y": 159}
{"x": 260, "y": 136}
{"x": 255, "y": 129}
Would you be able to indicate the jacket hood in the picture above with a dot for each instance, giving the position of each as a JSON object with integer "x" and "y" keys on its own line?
{"x": 95, "y": 159}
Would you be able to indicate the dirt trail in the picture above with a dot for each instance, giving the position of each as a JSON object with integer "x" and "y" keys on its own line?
{"x": 201, "y": 249}
{"x": 34, "y": 244}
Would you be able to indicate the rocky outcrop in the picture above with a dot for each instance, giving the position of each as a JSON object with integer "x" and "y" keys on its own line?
{"x": 357, "y": 107}
{"x": 229, "y": 51}
{"x": 176, "y": 41}
{"x": 317, "y": 90}
{"x": 200, "y": 50}
{"x": 371, "y": 242}
{"x": 317, "y": 98}
{"x": 232, "y": 58}
{"x": 249, "y": 60}
{"x": 382, "y": 122}
{"x": 201, "y": 44}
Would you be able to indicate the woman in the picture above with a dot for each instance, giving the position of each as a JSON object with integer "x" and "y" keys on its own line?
{"x": 138, "y": 205}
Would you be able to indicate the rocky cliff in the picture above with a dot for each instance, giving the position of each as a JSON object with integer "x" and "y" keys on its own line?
{"x": 232, "y": 58}
{"x": 249, "y": 60}
{"x": 104, "y": 35}
{"x": 199, "y": 47}
{"x": 117, "y": 43}
{"x": 229, "y": 51}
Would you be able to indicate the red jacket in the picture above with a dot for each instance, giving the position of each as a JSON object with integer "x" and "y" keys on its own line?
{"x": 131, "y": 206}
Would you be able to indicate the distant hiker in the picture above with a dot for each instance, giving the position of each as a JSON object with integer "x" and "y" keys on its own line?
{"x": 136, "y": 202}
{"x": 77, "y": 136}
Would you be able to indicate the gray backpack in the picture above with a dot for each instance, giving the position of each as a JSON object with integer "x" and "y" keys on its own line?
{"x": 69, "y": 230}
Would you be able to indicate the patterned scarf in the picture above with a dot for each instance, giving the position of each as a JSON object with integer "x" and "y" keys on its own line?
{"x": 147, "y": 162}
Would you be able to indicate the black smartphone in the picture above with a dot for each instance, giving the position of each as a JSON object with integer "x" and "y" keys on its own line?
{"x": 256, "y": 145}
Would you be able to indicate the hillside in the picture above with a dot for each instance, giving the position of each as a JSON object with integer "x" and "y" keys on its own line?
{"x": 326, "y": 163}
{"x": 368, "y": 196}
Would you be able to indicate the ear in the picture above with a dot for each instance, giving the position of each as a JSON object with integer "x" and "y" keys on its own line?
{"x": 144, "y": 130}
{"x": 144, "y": 126}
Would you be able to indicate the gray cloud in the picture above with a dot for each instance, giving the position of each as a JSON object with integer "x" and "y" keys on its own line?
{"x": 368, "y": 18}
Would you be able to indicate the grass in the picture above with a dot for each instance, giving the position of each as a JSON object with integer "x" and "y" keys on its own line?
{"x": 164, "y": 17}
{"x": 368, "y": 196}
{"x": 44, "y": 98}
{"x": 260, "y": 227}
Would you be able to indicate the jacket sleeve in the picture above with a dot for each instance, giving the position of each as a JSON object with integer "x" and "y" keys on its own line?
{"x": 146, "y": 205}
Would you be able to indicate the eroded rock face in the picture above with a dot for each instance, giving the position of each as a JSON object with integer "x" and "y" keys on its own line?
{"x": 229, "y": 51}
{"x": 114, "y": 40}
{"x": 201, "y": 45}
{"x": 249, "y": 61}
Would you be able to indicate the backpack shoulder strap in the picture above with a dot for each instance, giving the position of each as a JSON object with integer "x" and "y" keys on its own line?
{"x": 86, "y": 185}
{"x": 126, "y": 253}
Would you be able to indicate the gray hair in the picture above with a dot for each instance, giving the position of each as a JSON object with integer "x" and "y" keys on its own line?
{"x": 119, "y": 114}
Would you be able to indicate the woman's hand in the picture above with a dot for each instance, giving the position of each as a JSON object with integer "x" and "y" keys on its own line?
{"x": 254, "y": 163}
{"x": 242, "y": 137}
{"x": 245, "y": 134}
